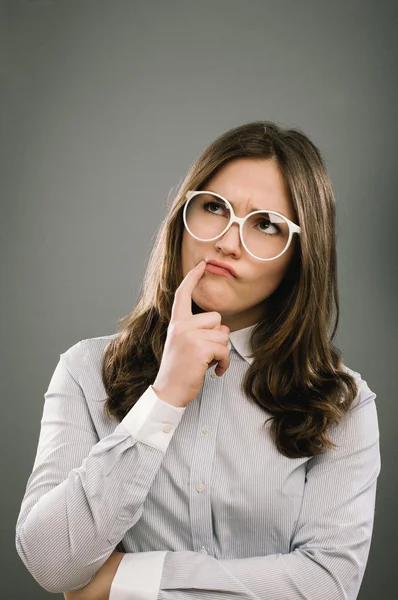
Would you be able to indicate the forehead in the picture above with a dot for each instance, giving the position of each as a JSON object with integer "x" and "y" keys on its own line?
{"x": 258, "y": 183}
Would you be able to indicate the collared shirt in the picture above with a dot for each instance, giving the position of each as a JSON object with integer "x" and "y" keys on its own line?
{"x": 203, "y": 501}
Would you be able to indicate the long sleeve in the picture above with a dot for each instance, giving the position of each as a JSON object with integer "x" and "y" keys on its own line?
{"x": 330, "y": 544}
{"x": 84, "y": 493}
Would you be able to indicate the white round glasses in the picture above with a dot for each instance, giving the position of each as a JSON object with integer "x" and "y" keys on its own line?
{"x": 265, "y": 234}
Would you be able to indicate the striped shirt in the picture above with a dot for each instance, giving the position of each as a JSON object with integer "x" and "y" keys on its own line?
{"x": 205, "y": 505}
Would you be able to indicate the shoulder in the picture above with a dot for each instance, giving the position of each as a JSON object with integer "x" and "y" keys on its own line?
{"x": 86, "y": 352}
{"x": 359, "y": 426}
{"x": 365, "y": 393}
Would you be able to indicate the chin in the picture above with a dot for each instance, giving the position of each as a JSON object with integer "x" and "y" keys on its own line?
{"x": 209, "y": 305}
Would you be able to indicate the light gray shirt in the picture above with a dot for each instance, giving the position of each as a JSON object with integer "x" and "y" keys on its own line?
{"x": 204, "y": 503}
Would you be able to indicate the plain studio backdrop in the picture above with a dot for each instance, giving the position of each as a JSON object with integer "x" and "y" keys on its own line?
{"x": 104, "y": 105}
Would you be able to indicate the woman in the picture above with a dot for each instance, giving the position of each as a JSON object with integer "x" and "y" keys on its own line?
{"x": 218, "y": 435}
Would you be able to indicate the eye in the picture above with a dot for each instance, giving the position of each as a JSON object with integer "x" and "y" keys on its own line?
{"x": 266, "y": 223}
{"x": 213, "y": 204}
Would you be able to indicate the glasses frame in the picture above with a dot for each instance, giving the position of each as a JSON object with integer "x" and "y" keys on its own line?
{"x": 293, "y": 228}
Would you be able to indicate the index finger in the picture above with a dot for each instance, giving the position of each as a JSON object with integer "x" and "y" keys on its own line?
{"x": 182, "y": 305}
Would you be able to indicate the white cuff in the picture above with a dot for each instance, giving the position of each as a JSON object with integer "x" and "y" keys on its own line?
{"x": 138, "y": 576}
{"x": 153, "y": 421}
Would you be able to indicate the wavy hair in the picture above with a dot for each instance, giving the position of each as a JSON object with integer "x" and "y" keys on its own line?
{"x": 297, "y": 375}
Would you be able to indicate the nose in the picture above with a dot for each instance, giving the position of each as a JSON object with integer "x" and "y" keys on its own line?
{"x": 230, "y": 241}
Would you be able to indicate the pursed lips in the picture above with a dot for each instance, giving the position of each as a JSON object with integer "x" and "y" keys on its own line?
{"x": 219, "y": 269}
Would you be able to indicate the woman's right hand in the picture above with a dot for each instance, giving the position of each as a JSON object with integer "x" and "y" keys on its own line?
{"x": 193, "y": 344}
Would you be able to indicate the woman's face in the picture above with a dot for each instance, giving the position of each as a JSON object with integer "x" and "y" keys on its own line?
{"x": 240, "y": 299}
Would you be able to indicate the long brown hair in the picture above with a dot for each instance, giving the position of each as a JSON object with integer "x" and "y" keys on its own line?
{"x": 297, "y": 375}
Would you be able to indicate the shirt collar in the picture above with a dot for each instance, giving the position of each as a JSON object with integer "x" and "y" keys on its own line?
{"x": 240, "y": 341}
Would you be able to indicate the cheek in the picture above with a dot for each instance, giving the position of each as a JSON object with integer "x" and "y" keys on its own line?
{"x": 268, "y": 278}
{"x": 192, "y": 251}
{"x": 185, "y": 254}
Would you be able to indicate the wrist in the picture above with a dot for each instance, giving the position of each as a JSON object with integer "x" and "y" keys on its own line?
{"x": 106, "y": 575}
{"x": 168, "y": 396}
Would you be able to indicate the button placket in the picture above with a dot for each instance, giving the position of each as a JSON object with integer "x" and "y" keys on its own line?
{"x": 201, "y": 468}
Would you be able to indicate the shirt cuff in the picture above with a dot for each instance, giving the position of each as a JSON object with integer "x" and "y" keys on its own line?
{"x": 153, "y": 421}
{"x": 138, "y": 576}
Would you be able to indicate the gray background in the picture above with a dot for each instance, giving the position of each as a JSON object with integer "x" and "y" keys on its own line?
{"x": 104, "y": 105}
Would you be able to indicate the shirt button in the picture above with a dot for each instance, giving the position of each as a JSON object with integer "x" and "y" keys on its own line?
{"x": 200, "y": 487}
{"x": 203, "y": 550}
{"x": 167, "y": 427}
{"x": 206, "y": 429}
{"x": 213, "y": 375}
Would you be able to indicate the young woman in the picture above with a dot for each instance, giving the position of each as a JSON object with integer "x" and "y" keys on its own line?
{"x": 217, "y": 446}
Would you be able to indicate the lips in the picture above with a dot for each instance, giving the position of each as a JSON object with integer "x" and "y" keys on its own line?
{"x": 223, "y": 266}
